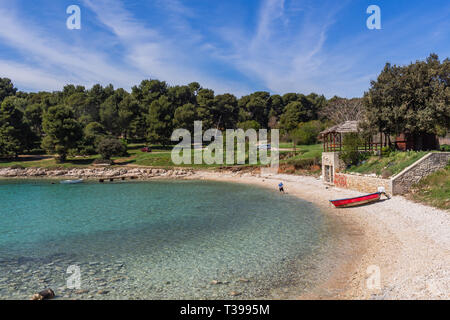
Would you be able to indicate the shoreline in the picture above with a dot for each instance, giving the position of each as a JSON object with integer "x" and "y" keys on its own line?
{"x": 408, "y": 242}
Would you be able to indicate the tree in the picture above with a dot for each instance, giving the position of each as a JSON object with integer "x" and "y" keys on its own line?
{"x": 225, "y": 111}
{"x": 33, "y": 114}
{"x": 205, "y": 102}
{"x": 62, "y": 131}
{"x": 250, "y": 124}
{"x": 412, "y": 99}
{"x": 149, "y": 91}
{"x": 128, "y": 113}
{"x": 159, "y": 120}
{"x": 109, "y": 112}
{"x": 185, "y": 116}
{"x": 109, "y": 147}
{"x": 291, "y": 117}
{"x": 15, "y": 133}
{"x": 339, "y": 110}
{"x": 92, "y": 134}
{"x": 6, "y": 89}
{"x": 306, "y": 133}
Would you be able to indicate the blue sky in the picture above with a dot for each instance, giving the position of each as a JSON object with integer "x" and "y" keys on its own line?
{"x": 230, "y": 46}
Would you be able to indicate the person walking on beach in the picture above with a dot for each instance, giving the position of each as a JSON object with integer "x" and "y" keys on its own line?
{"x": 281, "y": 187}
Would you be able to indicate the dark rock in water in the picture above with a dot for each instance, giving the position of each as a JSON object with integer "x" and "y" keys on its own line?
{"x": 44, "y": 295}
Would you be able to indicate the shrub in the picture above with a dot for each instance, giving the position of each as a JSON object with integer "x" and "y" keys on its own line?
{"x": 350, "y": 155}
{"x": 306, "y": 133}
{"x": 445, "y": 148}
{"x": 110, "y": 147}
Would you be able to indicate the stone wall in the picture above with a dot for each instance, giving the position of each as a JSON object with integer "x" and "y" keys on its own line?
{"x": 399, "y": 184}
{"x": 361, "y": 183}
{"x": 430, "y": 163}
{"x": 94, "y": 173}
{"x": 331, "y": 161}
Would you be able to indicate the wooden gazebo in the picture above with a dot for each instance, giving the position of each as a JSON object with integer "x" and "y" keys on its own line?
{"x": 333, "y": 137}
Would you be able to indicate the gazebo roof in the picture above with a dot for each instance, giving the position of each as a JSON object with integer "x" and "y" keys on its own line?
{"x": 346, "y": 127}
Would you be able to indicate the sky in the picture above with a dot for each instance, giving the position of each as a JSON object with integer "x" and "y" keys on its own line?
{"x": 230, "y": 46}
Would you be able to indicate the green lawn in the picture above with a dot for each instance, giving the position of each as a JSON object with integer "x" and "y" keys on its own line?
{"x": 434, "y": 189}
{"x": 159, "y": 157}
{"x": 305, "y": 151}
{"x": 390, "y": 165}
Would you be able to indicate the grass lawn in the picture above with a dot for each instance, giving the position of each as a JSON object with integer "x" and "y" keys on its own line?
{"x": 49, "y": 162}
{"x": 159, "y": 157}
{"x": 389, "y": 165}
{"x": 306, "y": 151}
{"x": 434, "y": 189}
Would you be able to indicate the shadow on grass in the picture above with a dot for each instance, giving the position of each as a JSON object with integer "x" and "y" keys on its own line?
{"x": 27, "y": 158}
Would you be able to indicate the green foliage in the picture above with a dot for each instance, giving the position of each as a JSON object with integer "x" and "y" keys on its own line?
{"x": 63, "y": 132}
{"x": 434, "y": 189}
{"x": 109, "y": 147}
{"x": 185, "y": 116}
{"x": 15, "y": 133}
{"x": 93, "y": 133}
{"x": 445, "y": 148}
{"x": 159, "y": 120}
{"x": 250, "y": 124}
{"x": 350, "y": 154}
{"x": 150, "y": 112}
{"x": 394, "y": 163}
{"x": 306, "y": 133}
{"x": 6, "y": 89}
{"x": 413, "y": 99}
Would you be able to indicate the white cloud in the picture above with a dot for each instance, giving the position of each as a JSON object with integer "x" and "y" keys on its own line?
{"x": 41, "y": 48}
{"x": 152, "y": 54}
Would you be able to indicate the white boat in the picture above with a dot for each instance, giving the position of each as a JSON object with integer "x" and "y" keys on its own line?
{"x": 72, "y": 181}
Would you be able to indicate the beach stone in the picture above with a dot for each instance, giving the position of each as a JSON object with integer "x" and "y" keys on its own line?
{"x": 235, "y": 293}
{"x": 82, "y": 291}
{"x": 102, "y": 292}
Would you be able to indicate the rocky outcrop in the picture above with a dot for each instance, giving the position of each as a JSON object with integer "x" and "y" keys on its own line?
{"x": 95, "y": 173}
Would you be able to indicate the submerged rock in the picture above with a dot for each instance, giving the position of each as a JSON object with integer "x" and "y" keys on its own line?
{"x": 44, "y": 295}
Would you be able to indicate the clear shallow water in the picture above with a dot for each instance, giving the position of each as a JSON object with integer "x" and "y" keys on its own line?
{"x": 156, "y": 240}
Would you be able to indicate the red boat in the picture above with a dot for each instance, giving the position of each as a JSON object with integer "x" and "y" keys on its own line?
{"x": 357, "y": 201}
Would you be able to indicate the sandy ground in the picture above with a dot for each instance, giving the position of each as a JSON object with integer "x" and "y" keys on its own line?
{"x": 401, "y": 249}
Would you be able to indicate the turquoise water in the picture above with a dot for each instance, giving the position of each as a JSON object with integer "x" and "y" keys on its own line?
{"x": 155, "y": 240}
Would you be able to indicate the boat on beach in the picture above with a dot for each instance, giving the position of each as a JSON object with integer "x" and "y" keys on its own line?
{"x": 357, "y": 201}
{"x": 72, "y": 181}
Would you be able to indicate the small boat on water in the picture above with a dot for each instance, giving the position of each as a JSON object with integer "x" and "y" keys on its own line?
{"x": 357, "y": 201}
{"x": 72, "y": 181}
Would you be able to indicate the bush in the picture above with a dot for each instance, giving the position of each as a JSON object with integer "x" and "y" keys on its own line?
{"x": 445, "y": 148}
{"x": 307, "y": 132}
{"x": 350, "y": 155}
{"x": 110, "y": 147}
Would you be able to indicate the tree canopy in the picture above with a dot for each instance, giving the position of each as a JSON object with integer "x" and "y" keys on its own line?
{"x": 413, "y": 99}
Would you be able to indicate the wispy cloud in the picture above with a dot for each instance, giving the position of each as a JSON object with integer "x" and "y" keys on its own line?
{"x": 275, "y": 45}
{"x": 55, "y": 57}
{"x": 151, "y": 53}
